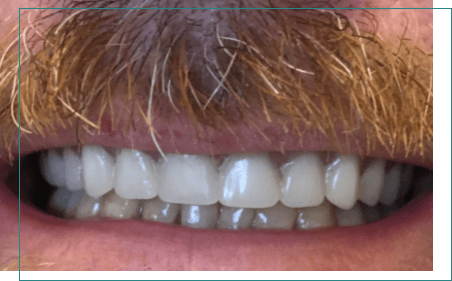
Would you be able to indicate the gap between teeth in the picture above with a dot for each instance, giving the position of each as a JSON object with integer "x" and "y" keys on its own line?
{"x": 244, "y": 190}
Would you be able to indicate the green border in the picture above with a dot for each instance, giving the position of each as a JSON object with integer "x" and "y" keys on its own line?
{"x": 442, "y": 231}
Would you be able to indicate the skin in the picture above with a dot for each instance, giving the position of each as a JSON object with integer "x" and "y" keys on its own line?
{"x": 404, "y": 242}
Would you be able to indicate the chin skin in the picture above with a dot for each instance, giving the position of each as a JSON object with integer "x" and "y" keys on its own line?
{"x": 401, "y": 242}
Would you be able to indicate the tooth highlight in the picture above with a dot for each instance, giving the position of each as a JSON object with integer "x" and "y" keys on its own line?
{"x": 276, "y": 217}
{"x": 120, "y": 208}
{"x": 303, "y": 181}
{"x": 158, "y": 210}
{"x": 316, "y": 217}
{"x": 351, "y": 217}
{"x": 199, "y": 216}
{"x": 235, "y": 218}
{"x": 73, "y": 167}
{"x": 189, "y": 179}
{"x": 135, "y": 175}
{"x": 89, "y": 207}
{"x": 371, "y": 182}
{"x": 342, "y": 177}
{"x": 249, "y": 181}
{"x": 98, "y": 170}
{"x": 391, "y": 185}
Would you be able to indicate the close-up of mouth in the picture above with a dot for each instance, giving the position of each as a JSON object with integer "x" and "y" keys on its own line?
{"x": 216, "y": 139}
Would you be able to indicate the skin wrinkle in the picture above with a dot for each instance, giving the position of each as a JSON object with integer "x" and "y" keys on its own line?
{"x": 43, "y": 124}
{"x": 360, "y": 83}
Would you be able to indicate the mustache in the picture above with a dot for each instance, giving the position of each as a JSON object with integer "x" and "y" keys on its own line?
{"x": 313, "y": 69}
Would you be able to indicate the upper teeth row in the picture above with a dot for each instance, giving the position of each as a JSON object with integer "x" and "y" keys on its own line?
{"x": 242, "y": 180}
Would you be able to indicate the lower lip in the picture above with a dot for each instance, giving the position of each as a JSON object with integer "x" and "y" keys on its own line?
{"x": 139, "y": 245}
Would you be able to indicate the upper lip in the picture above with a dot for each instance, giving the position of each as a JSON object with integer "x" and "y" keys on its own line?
{"x": 180, "y": 136}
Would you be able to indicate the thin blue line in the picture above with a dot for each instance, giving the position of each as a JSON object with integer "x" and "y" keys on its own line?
{"x": 235, "y": 8}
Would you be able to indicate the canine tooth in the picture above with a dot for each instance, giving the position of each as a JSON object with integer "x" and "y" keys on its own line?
{"x": 342, "y": 177}
{"x": 88, "y": 207}
{"x": 98, "y": 170}
{"x": 278, "y": 216}
{"x": 249, "y": 181}
{"x": 351, "y": 217}
{"x": 158, "y": 210}
{"x": 235, "y": 218}
{"x": 405, "y": 180}
{"x": 59, "y": 201}
{"x": 316, "y": 217}
{"x": 135, "y": 175}
{"x": 73, "y": 170}
{"x": 199, "y": 216}
{"x": 189, "y": 179}
{"x": 72, "y": 204}
{"x": 371, "y": 182}
{"x": 304, "y": 182}
{"x": 52, "y": 167}
{"x": 391, "y": 185}
{"x": 120, "y": 208}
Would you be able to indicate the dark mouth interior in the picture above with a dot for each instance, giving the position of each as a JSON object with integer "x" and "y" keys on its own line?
{"x": 35, "y": 191}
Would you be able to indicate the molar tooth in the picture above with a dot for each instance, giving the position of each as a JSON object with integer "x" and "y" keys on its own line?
{"x": 73, "y": 170}
{"x": 189, "y": 179}
{"x": 89, "y": 207}
{"x": 53, "y": 167}
{"x": 316, "y": 217}
{"x": 249, "y": 181}
{"x": 72, "y": 204}
{"x": 391, "y": 185}
{"x": 341, "y": 178}
{"x": 98, "y": 170}
{"x": 158, "y": 210}
{"x": 135, "y": 175}
{"x": 278, "y": 216}
{"x": 59, "y": 201}
{"x": 371, "y": 182}
{"x": 120, "y": 208}
{"x": 235, "y": 218}
{"x": 351, "y": 217}
{"x": 199, "y": 216}
{"x": 304, "y": 182}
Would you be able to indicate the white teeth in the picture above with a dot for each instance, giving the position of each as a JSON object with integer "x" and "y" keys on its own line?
{"x": 73, "y": 170}
{"x": 371, "y": 182}
{"x": 119, "y": 208}
{"x": 98, "y": 170}
{"x": 72, "y": 204}
{"x": 88, "y": 207}
{"x": 189, "y": 179}
{"x": 158, "y": 210}
{"x": 341, "y": 178}
{"x": 351, "y": 217}
{"x": 391, "y": 185}
{"x": 235, "y": 218}
{"x": 59, "y": 201}
{"x": 249, "y": 181}
{"x": 199, "y": 216}
{"x": 316, "y": 217}
{"x": 304, "y": 182}
{"x": 135, "y": 175}
{"x": 278, "y": 216}
{"x": 52, "y": 168}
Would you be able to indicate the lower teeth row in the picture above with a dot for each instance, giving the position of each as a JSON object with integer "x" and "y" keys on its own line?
{"x": 79, "y": 205}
